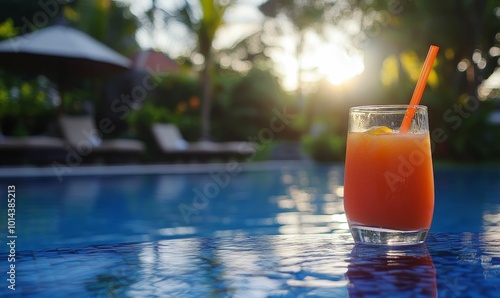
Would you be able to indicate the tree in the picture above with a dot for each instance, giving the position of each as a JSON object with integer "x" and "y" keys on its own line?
{"x": 398, "y": 33}
{"x": 304, "y": 15}
{"x": 465, "y": 31}
{"x": 108, "y": 21}
{"x": 202, "y": 18}
{"x": 205, "y": 28}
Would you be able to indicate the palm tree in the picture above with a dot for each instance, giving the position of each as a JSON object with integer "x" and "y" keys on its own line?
{"x": 203, "y": 18}
{"x": 210, "y": 21}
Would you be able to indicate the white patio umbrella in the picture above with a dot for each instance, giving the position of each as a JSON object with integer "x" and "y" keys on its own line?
{"x": 61, "y": 53}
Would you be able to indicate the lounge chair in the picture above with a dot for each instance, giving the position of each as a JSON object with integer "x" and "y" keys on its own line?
{"x": 174, "y": 146}
{"x": 82, "y": 135}
{"x": 31, "y": 149}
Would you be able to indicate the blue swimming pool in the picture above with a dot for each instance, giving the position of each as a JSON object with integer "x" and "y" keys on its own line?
{"x": 283, "y": 200}
{"x": 120, "y": 235}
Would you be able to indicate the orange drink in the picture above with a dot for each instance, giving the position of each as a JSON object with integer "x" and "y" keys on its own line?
{"x": 388, "y": 181}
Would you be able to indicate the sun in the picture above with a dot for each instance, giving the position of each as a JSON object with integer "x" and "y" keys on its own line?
{"x": 322, "y": 61}
{"x": 334, "y": 64}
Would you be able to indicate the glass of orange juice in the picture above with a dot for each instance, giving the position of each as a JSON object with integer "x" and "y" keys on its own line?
{"x": 388, "y": 179}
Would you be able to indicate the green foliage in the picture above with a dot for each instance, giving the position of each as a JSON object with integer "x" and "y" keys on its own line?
{"x": 78, "y": 101}
{"x": 109, "y": 22}
{"x": 7, "y": 29}
{"x": 211, "y": 19}
{"x": 202, "y": 18}
{"x": 243, "y": 106}
{"x": 174, "y": 90}
{"x": 31, "y": 113}
{"x": 458, "y": 27}
{"x": 325, "y": 147}
{"x": 303, "y": 14}
{"x": 150, "y": 114}
{"x": 326, "y": 138}
{"x": 175, "y": 100}
{"x": 95, "y": 26}
{"x": 26, "y": 106}
{"x": 249, "y": 108}
{"x": 22, "y": 14}
{"x": 471, "y": 135}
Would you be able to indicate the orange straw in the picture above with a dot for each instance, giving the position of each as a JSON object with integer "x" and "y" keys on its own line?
{"x": 419, "y": 89}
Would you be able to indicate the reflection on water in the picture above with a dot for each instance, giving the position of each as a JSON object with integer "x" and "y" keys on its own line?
{"x": 175, "y": 260}
{"x": 464, "y": 264}
{"x": 407, "y": 272}
{"x": 94, "y": 210}
{"x": 286, "y": 201}
{"x": 491, "y": 222}
{"x": 169, "y": 187}
{"x": 313, "y": 203}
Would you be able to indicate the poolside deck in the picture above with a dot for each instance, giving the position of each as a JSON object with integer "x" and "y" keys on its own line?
{"x": 146, "y": 169}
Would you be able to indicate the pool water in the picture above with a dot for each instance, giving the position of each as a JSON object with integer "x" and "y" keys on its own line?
{"x": 283, "y": 201}
{"x": 98, "y": 228}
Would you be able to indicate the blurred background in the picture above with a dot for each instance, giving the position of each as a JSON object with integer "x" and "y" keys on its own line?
{"x": 224, "y": 69}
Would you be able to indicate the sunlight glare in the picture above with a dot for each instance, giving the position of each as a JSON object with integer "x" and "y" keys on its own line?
{"x": 334, "y": 64}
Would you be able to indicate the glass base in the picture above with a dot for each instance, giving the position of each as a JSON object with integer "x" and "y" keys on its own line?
{"x": 381, "y": 236}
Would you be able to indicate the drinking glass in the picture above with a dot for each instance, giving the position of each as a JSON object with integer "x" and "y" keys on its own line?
{"x": 388, "y": 182}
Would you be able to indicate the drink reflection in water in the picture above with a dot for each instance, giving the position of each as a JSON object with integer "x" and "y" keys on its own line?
{"x": 391, "y": 272}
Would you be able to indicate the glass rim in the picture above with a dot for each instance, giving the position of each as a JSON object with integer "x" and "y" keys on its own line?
{"x": 393, "y": 108}
{"x": 385, "y": 108}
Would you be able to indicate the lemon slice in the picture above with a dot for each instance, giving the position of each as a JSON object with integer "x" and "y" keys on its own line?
{"x": 379, "y": 130}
